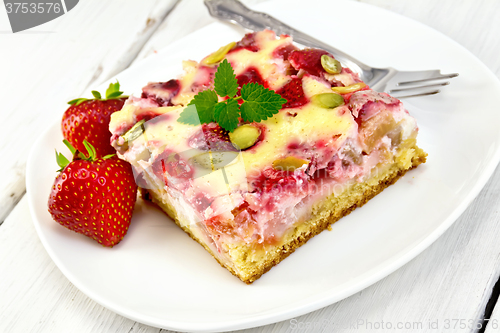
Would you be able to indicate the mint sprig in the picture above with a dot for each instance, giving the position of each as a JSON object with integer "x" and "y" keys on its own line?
{"x": 227, "y": 114}
{"x": 259, "y": 103}
{"x": 113, "y": 92}
{"x": 205, "y": 102}
{"x": 225, "y": 82}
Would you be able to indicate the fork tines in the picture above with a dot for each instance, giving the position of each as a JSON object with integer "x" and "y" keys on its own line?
{"x": 416, "y": 87}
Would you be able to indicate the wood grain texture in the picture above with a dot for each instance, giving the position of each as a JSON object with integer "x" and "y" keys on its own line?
{"x": 472, "y": 23}
{"x": 187, "y": 17}
{"x": 51, "y": 64}
{"x": 35, "y": 295}
{"x": 452, "y": 279}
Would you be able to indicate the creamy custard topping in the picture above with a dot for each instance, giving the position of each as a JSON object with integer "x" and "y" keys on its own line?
{"x": 255, "y": 195}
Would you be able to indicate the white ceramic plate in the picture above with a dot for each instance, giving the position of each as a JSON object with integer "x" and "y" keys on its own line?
{"x": 159, "y": 276}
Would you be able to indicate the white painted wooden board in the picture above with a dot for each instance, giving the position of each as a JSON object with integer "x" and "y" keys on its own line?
{"x": 474, "y": 24}
{"x": 35, "y": 295}
{"x": 450, "y": 280}
{"x": 187, "y": 17}
{"x": 43, "y": 68}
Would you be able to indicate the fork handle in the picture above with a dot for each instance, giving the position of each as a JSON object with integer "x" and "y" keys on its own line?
{"x": 235, "y": 12}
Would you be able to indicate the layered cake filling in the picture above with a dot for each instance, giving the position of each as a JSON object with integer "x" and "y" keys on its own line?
{"x": 253, "y": 186}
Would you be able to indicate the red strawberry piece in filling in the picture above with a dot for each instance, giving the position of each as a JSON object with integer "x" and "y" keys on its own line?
{"x": 283, "y": 52}
{"x": 201, "y": 201}
{"x": 308, "y": 60}
{"x": 272, "y": 180}
{"x": 273, "y": 187}
{"x": 171, "y": 164}
{"x": 250, "y": 75}
{"x": 149, "y": 115}
{"x": 162, "y": 92}
{"x": 347, "y": 97}
{"x": 211, "y": 137}
{"x": 293, "y": 93}
{"x": 366, "y": 103}
{"x": 218, "y": 226}
{"x": 247, "y": 42}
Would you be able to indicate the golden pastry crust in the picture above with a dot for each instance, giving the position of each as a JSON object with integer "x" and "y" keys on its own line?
{"x": 252, "y": 264}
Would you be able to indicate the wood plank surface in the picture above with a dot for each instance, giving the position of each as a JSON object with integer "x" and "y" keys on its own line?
{"x": 448, "y": 284}
{"x": 47, "y": 66}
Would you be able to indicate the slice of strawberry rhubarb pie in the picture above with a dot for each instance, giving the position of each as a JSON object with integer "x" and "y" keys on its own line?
{"x": 261, "y": 146}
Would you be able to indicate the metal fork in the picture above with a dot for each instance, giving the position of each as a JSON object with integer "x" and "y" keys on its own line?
{"x": 398, "y": 83}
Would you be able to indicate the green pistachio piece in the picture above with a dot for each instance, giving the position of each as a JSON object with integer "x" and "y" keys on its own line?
{"x": 218, "y": 55}
{"x": 244, "y": 136}
{"x": 330, "y": 65}
{"x": 327, "y": 100}
{"x": 134, "y": 132}
{"x": 349, "y": 89}
{"x": 289, "y": 163}
{"x": 214, "y": 160}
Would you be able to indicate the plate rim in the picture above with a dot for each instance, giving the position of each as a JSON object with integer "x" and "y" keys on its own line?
{"x": 259, "y": 320}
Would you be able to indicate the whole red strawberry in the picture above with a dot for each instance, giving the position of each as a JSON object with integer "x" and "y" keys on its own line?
{"x": 308, "y": 60}
{"x": 93, "y": 196}
{"x": 88, "y": 119}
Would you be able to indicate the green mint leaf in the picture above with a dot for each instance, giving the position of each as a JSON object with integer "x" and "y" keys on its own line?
{"x": 225, "y": 82}
{"x": 189, "y": 116}
{"x": 204, "y": 102}
{"x": 260, "y": 103}
{"x": 96, "y": 94}
{"x": 77, "y": 101}
{"x": 227, "y": 113}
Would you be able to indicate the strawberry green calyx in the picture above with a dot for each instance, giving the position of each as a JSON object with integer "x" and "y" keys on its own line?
{"x": 113, "y": 92}
{"x": 70, "y": 146}
{"x": 90, "y": 150}
{"x": 63, "y": 162}
{"x": 92, "y": 153}
{"x": 96, "y": 94}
